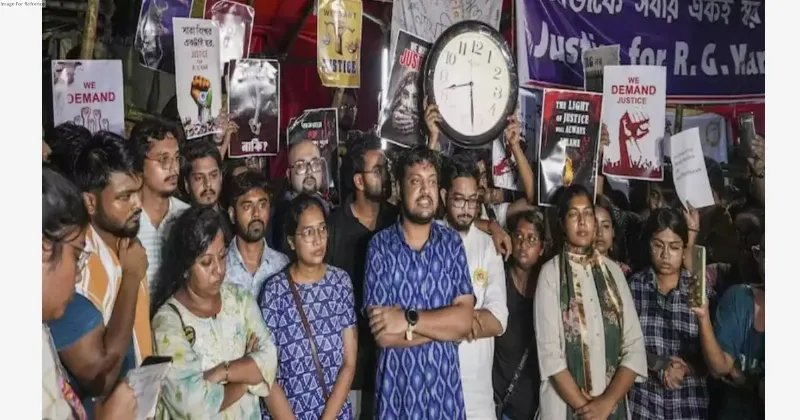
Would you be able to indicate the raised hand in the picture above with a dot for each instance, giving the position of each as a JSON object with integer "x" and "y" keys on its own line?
{"x": 200, "y": 91}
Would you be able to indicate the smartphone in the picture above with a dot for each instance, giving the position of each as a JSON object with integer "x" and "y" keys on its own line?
{"x": 156, "y": 360}
{"x": 747, "y": 130}
{"x": 697, "y": 288}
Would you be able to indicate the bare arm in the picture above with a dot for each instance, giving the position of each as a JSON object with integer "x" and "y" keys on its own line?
{"x": 345, "y": 378}
{"x": 568, "y": 390}
{"x": 244, "y": 370}
{"x": 720, "y": 364}
{"x": 489, "y": 326}
{"x": 620, "y": 384}
{"x": 278, "y": 405}
{"x": 525, "y": 173}
{"x": 452, "y": 323}
{"x": 96, "y": 359}
{"x": 399, "y": 341}
{"x": 233, "y": 392}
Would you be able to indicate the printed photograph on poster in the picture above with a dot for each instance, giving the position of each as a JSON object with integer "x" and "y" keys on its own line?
{"x": 689, "y": 169}
{"x": 198, "y": 84}
{"x": 254, "y": 105}
{"x": 320, "y": 126}
{"x": 89, "y": 93}
{"x": 339, "y": 43}
{"x": 715, "y": 133}
{"x": 400, "y": 119}
{"x": 570, "y": 134}
{"x": 154, "y": 32}
{"x": 504, "y": 166}
{"x": 235, "y": 23}
{"x": 594, "y": 59}
{"x": 634, "y": 111}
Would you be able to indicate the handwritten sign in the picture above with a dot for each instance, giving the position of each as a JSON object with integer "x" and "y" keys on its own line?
{"x": 197, "y": 75}
{"x": 634, "y": 104}
{"x": 428, "y": 19}
{"x": 570, "y": 131}
{"x": 89, "y": 93}
{"x": 689, "y": 169}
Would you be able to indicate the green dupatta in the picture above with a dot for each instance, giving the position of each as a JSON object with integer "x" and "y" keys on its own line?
{"x": 575, "y": 329}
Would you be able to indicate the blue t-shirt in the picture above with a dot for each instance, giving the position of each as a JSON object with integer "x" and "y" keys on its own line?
{"x": 80, "y": 318}
{"x": 734, "y": 328}
{"x": 420, "y": 382}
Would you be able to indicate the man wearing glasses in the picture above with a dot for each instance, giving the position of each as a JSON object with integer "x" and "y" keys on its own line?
{"x": 350, "y": 228}
{"x": 307, "y": 173}
{"x": 158, "y": 159}
{"x": 461, "y": 198}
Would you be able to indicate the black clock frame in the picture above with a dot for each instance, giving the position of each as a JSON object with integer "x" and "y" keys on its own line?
{"x": 472, "y": 26}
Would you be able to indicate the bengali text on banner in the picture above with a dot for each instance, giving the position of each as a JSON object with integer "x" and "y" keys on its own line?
{"x": 713, "y": 49}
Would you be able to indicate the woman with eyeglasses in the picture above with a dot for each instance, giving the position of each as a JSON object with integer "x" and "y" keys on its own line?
{"x": 588, "y": 336}
{"x": 515, "y": 372}
{"x": 676, "y": 387}
{"x": 64, "y": 221}
{"x": 223, "y": 357}
{"x": 309, "y": 306}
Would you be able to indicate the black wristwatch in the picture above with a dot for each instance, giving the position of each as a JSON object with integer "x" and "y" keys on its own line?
{"x": 412, "y": 317}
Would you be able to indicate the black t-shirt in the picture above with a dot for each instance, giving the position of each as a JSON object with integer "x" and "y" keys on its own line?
{"x": 508, "y": 351}
{"x": 348, "y": 240}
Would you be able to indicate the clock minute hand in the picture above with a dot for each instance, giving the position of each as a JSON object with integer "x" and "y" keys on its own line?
{"x": 453, "y": 86}
{"x": 471, "y": 107}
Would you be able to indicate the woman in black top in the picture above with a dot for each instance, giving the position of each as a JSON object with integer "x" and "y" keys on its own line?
{"x": 517, "y": 399}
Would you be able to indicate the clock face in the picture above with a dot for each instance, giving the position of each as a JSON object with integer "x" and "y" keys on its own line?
{"x": 472, "y": 83}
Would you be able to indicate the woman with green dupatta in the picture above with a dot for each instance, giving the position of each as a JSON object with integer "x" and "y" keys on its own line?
{"x": 588, "y": 336}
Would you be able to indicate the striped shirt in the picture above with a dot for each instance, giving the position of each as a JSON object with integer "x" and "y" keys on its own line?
{"x": 100, "y": 283}
{"x": 153, "y": 237}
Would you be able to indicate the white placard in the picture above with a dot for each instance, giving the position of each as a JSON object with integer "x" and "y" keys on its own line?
{"x": 145, "y": 381}
{"x": 198, "y": 81}
{"x": 634, "y": 108}
{"x": 89, "y": 93}
{"x": 689, "y": 169}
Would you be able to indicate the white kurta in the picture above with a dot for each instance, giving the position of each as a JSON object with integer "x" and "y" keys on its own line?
{"x": 476, "y": 358}
{"x": 550, "y": 334}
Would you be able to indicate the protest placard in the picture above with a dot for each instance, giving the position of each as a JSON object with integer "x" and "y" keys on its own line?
{"x": 254, "y": 105}
{"x": 689, "y": 169}
{"x": 339, "y": 43}
{"x": 634, "y": 108}
{"x": 570, "y": 132}
{"x": 198, "y": 85}
{"x": 89, "y": 93}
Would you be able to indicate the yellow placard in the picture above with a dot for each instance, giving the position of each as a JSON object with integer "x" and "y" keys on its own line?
{"x": 339, "y": 43}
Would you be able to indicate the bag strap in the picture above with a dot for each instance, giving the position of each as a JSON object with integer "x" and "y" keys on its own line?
{"x": 514, "y": 379}
{"x": 307, "y": 327}
{"x": 187, "y": 332}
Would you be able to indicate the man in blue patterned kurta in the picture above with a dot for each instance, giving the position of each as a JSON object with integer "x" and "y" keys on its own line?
{"x": 418, "y": 297}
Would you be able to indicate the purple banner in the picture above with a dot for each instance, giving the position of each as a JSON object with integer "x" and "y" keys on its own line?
{"x": 713, "y": 49}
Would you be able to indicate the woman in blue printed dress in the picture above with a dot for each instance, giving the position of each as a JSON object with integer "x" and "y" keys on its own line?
{"x": 313, "y": 387}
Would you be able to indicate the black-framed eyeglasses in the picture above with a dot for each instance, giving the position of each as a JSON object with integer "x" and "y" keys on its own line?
{"x": 166, "y": 161}
{"x": 302, "y": 167}
{"x": 308, "y": 234}
{"x": 658, "y": 247}
{"x": 458, "y": 202}
{"x": 83, "y": 257}
{"x": 530, "y": 240}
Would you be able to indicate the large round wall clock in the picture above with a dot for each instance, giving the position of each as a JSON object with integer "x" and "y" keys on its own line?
{"x": 471, "y": 76}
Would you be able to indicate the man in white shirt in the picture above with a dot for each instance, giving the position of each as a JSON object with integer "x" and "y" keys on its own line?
{"x": 460, "y": 195}
{"x": 158, "y": 159}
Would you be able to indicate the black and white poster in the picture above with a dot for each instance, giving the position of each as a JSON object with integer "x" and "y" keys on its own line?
{"x": 319, "y": 126}
{"x": 401, "y": 117}
{"x": 254, "y": 105}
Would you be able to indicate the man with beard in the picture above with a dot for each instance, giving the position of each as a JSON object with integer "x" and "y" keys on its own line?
{"x": 460, "y": 195}
{"x": 93, "y": 338}
{"x": 158, "y": 160}
{"x": 201, "y": 173}
{"x": 250, "y": 260}
{"x": 418, "y": 296}
{"x": 350, "y": 227}
{"x": 346, "y": 103}
{"x": 306, "y": 174}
